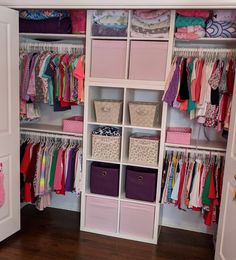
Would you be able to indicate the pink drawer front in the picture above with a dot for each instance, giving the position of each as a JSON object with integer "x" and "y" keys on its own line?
{"x": 148, "y": 60}
{"x": 108, "y": 59}
{"x": 137, "y": 219}
{"x": 101, "y": 214}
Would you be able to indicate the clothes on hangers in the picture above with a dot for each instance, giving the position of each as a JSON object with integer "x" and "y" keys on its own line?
{"x": 193, "y": 181}
{"x": 47, "y": 166}
{"x": 50, "y": 77}
{"x": 202, "y": 88}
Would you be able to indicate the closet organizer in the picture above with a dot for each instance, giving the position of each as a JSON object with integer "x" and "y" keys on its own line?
{"x": 131, "y": 58}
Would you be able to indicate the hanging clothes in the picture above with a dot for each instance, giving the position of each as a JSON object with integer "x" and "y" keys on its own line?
{"x": 193, "y": 182}
{"x": 47, "y": 166}
{"x": 50, "y": 77}
{"x": 202, "y": 88}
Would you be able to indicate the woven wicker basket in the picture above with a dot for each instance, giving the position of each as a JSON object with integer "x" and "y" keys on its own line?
{"x": 106, "y": 147}
{"x": 145, "y": 114}
{"x": 143, "y": 151}
{"x": 108, "y": 111}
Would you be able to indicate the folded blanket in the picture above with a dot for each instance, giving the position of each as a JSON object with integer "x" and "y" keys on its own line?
{"x": 31, "y": 14}
{"x": 149, "y": 14}
{"x": 191, "y": 35}
{"x": 190, "y": 29}
{"x": 224, "y": 15}
{"x": 220, "y": 29}
{"x": 182, "y": 21}
{"x": 194, "y": 13}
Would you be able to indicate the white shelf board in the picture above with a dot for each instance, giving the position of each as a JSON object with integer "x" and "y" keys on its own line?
{"x": 156, "y": 128}
{"x": 217, "y": 42}
{"x": 101, "y": 196}
{"x": 109, "y": 37}
{"x": 123, "y": 198}
{"x": 104, "y": 124}
{"x": 100, "y": 160}
{"x": 127, "y": 83}
{"x": 149, "y": 39}
{"x": 118, "y": 235}
{"x": 52, "y": 36}
{"x": 202, "y": 145}
{"x": 128, "y": 163}
{"x": 43, "y": 128}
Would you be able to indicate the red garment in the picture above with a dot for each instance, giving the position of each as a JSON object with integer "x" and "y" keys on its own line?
{"x": 198, "y": 80}
{"x": 181, "y": 184}
{"x": 230, "y": 78}
{"x": 26, "y": 160}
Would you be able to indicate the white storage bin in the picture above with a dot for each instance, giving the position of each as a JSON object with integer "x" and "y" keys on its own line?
{"x": 106, "y": 147}
{"x": 148, "y": 60}
{"x": 101, "y": 214}
{"x": 108, "y": 59}
{"x": 146, "y": 114}
{"x": 137, "y": 220}
{"x": 108, "y": 111}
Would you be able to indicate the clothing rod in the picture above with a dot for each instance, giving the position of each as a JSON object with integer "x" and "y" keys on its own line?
{"x": 51, "y": 45}
{"x": 208, "y": 50}
{"x": 62, "y": 136}
{"x": 193, "y": 150}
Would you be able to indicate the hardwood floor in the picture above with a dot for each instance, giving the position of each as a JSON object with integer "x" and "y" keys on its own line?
{"x": 54, "y": 234}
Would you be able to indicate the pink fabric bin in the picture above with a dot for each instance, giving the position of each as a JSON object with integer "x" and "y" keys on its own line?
{"x": 137, "y": 219}
{"x": 101, "y": 214}
{"x": 148, "y": 60}
{"x": 178, "y": 135}
{"x": 73, "y": 124}
{"x": 108, "y": 59}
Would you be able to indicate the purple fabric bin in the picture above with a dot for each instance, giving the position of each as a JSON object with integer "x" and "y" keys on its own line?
{"x": 140, "y": 183}
{"x": 104, "y": 179}
{"x": 51, "y": 25}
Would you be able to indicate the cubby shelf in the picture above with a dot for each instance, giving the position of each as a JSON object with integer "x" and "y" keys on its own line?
{"x": 101, "y": 160}
{"x": 128, "y": 163}
{"x": 104, "y": 124}
{"x": 101, "y": 196}
{"x": 123, "y": 198}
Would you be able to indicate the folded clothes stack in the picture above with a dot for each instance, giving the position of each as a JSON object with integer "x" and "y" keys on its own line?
{"x": 110, "y": 23}
{"x": 191, "y": 24}
{"x": 222, "y": 24}
{"x": 150, "y": 23}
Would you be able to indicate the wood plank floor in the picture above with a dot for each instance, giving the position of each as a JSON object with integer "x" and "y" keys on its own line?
{"x": 54, "y": 234}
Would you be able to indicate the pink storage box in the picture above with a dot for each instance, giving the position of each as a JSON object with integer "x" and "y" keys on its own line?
{"x": 178, "y": 135}
{"x": 101, "y": 214}
{"x": 73, "y": 124}
{"x": 148, "y": 60}
{"x": 108, "y": 59}
{"x": 137, "y": 219}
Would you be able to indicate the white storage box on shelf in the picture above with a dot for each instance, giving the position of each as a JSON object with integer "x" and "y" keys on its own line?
{"x": 106, "y": 147}
{"x": 137, "y": 220}
{"x": 108, "y": 59}
{"x": 148, "y": 60}
{"x": 146, "y": 114}
{"x": 108, "y": 111}
{"x": 101, "y": 214}
{"x": 143, "y": 149}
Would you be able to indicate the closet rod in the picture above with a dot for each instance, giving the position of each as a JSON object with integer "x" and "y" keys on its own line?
{"x": 62, "y": 136}
{"x": 204, "y": 50}
{"x": 192, "y": 150}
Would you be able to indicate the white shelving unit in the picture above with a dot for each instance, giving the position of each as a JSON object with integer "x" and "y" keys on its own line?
{"x": 52, "y": 36}
{"x": 126, "y": 90}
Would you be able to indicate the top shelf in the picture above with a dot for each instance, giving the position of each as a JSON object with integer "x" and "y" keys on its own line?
{"x": 44, "y": 128}
{"x": 205, "y": 42}
{"x": 51, "y": 36}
